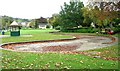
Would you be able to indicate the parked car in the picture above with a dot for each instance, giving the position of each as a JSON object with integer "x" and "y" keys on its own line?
{"x": 107, "y": 31}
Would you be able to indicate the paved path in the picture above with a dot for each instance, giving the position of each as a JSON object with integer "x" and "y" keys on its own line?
{"x": 82, "y": 44}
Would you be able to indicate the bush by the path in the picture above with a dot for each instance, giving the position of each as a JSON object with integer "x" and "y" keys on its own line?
{"x": 81, "y": 30}
{"x": 116, "y": 29}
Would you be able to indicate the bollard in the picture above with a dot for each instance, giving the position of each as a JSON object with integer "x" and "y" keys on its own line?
{"x": 3, "y": 32}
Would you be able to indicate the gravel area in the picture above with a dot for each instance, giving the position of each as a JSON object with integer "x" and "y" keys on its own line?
{"x": 81, "y": 44}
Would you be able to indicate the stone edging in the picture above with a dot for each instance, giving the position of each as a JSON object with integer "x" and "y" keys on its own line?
{"x": 112, "y": 38}
{"x": 58, "y": 40}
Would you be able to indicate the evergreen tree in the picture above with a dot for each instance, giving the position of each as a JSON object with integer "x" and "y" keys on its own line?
{"x": 71, "y": 15}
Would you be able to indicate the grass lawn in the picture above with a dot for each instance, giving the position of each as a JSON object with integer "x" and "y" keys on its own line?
{"x": 19, "y": 60}
{"x": 36, "y": 35}
{"x": 108, "y": 52}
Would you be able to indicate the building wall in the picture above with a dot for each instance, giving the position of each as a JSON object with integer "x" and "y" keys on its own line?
{"x": 42, "y": 25}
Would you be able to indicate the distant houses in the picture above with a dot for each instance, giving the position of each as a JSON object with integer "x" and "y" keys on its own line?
{"x": 42, "y": 26}
{"x": 24, "y": 24}
{"x": 42, "y": 23}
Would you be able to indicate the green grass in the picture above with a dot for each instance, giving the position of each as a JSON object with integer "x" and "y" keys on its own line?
{"x": 36, "y": 36}
{"x": 108, "y": 52}
{"x": 20, "y": 60}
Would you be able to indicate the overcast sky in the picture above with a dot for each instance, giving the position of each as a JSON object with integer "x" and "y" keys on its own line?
{"x": 31, "y": 8}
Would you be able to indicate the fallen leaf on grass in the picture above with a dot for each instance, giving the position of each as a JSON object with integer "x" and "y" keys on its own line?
{"x": 47, "y": 65}
{"x": 61, "y": 63}
{"x": 31, "y": 64}
{"x": 57, "y": 65}
{"x": 81, "y": 61}
{"x": 66, "y": 67}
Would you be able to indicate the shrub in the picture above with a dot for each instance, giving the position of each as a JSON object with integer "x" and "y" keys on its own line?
{"x": 82, "y": 30}
{"x": 116, "y": 29}
{"x": 47, "y": 26}
{"x": 57, "y": 28}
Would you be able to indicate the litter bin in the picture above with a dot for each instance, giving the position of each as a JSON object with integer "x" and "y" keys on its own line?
{"x": 3, "y": 32}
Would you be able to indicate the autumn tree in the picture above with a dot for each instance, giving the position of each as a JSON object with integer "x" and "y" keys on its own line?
{"x": 104, "y": 12}
{"x": 87, "y": 17}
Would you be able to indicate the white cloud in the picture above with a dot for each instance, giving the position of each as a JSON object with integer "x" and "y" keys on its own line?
{"x": 30, "y": 8}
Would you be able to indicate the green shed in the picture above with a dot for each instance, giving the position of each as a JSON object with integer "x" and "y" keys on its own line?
{"x": 14, "y": 29}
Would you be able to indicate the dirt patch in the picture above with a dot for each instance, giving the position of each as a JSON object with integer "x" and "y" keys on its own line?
{"x": 60, "y": 48}
{"x": 113, "y": 40}
{"x": 12, "y": 45}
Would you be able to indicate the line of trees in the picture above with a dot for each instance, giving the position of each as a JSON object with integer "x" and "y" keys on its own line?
{"x": 74, "y": 15}
{"x": 5, "y": 21}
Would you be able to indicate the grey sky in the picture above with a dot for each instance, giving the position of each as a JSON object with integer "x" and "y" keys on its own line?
{"x": 31, "y": 8}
